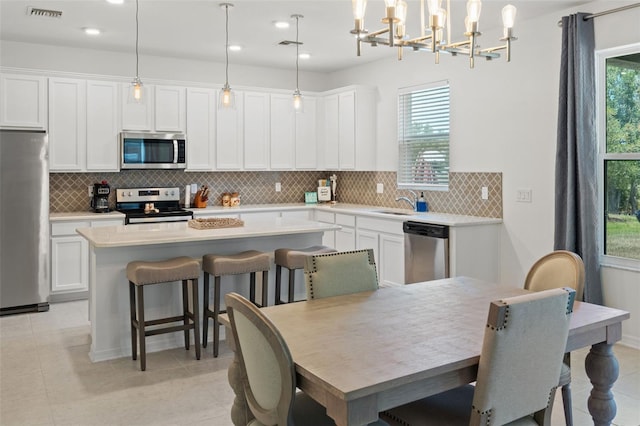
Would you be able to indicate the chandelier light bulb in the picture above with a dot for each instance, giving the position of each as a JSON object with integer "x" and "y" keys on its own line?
{"x": 136, "y": 87}
{"x": 359, "y": 8}
{"x": 473, "y": 10}
{"x": 390, "y": 3}
{"x": 508, "y": 16}
{"x": 433, "y": 6}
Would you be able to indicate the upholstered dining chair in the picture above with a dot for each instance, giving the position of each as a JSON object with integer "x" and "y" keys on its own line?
{"x": 521, "y": 358}
{"x": 334, "y": 274}
{"x": 559, "y": 268}
{"x": 269, "y": 377}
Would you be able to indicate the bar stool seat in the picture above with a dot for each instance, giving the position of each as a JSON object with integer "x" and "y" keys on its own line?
{"x": 247, "y": 262}
{"x": 142, "y": 273}
{"x": 293, "y": 259}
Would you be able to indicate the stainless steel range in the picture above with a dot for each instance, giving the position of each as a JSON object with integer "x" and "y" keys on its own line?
{"x": 151, "y": 205}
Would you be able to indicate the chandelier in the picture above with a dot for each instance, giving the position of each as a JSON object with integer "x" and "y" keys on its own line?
{"x": 439, "y": 23}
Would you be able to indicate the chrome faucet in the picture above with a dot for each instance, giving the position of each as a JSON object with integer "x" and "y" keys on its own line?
{"x": 411, "y": 203}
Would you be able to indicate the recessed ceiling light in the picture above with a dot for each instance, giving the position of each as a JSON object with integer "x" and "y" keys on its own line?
{"x": 281, "y": 24}
{"x": 91, "y": 31}
{"x": 304, "y": 55}
{"x": 235, "y": 47}
{"x": 115, "y": 1}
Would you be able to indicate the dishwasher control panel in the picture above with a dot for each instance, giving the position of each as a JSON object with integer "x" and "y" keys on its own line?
{"x": 426, "y": 229}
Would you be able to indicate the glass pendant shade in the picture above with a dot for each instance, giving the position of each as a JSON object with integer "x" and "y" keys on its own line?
{"x": 136, "y": 92}
{"x": 508, "y": 16}
{"x": 227, "y": 98}
{"x": 359, "y": 7}
{"x": 298, "y": 104}
{"x": 433, "y": 6}
{"x": 473, "y": 10}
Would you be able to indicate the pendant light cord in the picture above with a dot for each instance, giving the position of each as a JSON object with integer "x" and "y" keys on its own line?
{"x": 137, "y": 75}
{"x": 297, "y": 54}
{"x": 226, "y": 46}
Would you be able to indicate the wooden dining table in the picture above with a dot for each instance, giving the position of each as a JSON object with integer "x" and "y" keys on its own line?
{"x": 362, "y": 353}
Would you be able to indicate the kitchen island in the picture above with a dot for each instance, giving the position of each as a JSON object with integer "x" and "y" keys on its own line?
{"x": 112, "y": 247}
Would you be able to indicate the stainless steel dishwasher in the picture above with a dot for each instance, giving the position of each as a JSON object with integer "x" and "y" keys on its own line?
{"x": 426, "y": 251}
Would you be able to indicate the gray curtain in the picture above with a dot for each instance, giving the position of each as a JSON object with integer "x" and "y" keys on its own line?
{"x": 576, "y": 203}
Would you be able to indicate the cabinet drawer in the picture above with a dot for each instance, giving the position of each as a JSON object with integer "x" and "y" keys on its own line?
{"x": 109, "y": 222}
{"x": 325, "y": 217}
{"x": 380, "y": 225}
{"x": 296, "y": 214}
{"x": 67, "y": 228}
{"x": 345, "y": 219}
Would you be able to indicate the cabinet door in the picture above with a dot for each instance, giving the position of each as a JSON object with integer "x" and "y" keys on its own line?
{"x": 256, "y": 131}
{"x": 137, "y": 115}
{"x": 345, "y": 239}
{"x": 102, "y": 126}
{"x": 23, "y": 101}
{"x": 391, "y": 266}
{"x": 201, "y": 128}
{"x": 170, "y": 109}
{"x": 69, "y": 264}
{"x": 229, "y": 136}
{"x": 347, "y": 130}
{"x": 368, "y": 240}
{"x": 306, "y": 136}
{"x": 332, "y": 133}
{"x": 282, "y": 132}
{"x": 67, "y": 124}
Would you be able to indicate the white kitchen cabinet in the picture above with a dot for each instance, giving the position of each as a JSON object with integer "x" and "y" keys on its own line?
{"x": 137, "y": 116}
{"x": 260, "y": 215}
{"x": 474, "y": 251}
{"x": 350, "y": 119}
{"x": 283, "y": 132}
{"x": 368, "y": 240}
{"x": 230, "y": 136}
{"x": 297, "y": 214}
{"x": 256, "y": 131}
{"x": 329, "y": 237}
{"x": 386, "y": 238}
{"x": 306, "y": 140}
{"x": 67, "y": 124}
{"x": 170, "y": 109}
{"x": 23, "y": 102}
{"x": 102, "y": 126}
{"x": 346, "y": 236}
{"x": 201, "y": 129}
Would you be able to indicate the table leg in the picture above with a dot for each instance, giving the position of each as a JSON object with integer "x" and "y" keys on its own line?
{"x": 240, "y": 413}
{"x": 601, "y": 366}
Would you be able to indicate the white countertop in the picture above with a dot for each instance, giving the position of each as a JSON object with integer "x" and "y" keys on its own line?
{"x": 180, "y": 232}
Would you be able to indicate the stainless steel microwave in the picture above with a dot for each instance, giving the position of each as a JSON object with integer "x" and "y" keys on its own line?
{"x": 144, "y": 150}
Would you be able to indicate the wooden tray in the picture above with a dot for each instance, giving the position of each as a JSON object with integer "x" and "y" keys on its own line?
{"x": 215, "y": 223}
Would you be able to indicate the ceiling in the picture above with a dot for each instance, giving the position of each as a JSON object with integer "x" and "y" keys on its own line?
{"x": 194, "y": 29}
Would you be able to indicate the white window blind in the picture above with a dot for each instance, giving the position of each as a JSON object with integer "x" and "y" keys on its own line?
{"x": 423, "y": 137}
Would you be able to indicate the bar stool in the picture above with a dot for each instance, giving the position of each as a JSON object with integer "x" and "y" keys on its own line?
{"x": 250, "y": 262}
{"x": 293, "y": 259}
{"x": 142, "y": 273}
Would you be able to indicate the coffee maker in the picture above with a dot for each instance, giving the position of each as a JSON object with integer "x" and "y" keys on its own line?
{"x": 100, "y": 199}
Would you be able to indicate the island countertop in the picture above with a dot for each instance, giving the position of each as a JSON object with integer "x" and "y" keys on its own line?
{"x": 180, "y": 232}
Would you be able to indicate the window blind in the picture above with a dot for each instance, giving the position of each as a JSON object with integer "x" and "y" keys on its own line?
{"x": 423, "y": 137}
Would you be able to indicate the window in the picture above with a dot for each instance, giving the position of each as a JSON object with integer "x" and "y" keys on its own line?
{"x": 619, "y": 134}
{"x": 423, "y": 137}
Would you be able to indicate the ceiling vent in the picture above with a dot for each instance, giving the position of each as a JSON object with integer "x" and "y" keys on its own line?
{"x": 44, "y": 13}
{"x": 288, "y": 42}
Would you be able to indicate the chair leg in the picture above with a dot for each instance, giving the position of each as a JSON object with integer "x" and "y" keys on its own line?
{"x": 566, "y": 403}
{"x": 252, "y": 287}
{"x": 185, "y": 313}
{"x": 196, "y": 317}
{"x": 265, "y": 288}
{"x": 134, "y": 328}
{"x": 205, "y": 310}
{"x": 141, "y": 329}
{"x": 292, "y": 284}
{"x": 216, "y": 312}
{"x": 278, "y": 301}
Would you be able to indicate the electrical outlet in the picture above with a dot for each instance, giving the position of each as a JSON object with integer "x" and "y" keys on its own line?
{"x": 90, "y": 190}
{"x": 485, "y": 193}
{"x": 523, "y": 195}
{"x": 278, "y": 187}
{"x": 380, "y": 188}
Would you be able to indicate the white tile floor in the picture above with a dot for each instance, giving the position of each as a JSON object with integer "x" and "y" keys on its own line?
{"x": 46, "y": 378}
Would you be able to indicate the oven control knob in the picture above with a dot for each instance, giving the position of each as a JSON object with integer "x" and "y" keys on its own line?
{"x": 130, "y": 194}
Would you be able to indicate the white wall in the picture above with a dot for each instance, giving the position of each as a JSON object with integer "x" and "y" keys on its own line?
{"x": 503, "y": 119}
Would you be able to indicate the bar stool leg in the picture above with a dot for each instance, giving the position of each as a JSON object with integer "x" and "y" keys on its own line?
{"x": 265, "y": 288}
{"x": 216, "y": 312}
{"x": 252, "y": 287}
{"x": 292, "y": 278}
{"x": 134, "y": 328}
{"x": 185, "y": 313}
{"x": 206, "y": 313}
{"x": 141, "y": 329}
{"x": 278, "y": 301}
{"x": 195, "y": 317}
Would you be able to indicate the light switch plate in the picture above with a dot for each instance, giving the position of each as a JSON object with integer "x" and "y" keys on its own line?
{"x": 485, "y": 193}
{"x": 523, "y": 195}
{"x": 278, "y": 187}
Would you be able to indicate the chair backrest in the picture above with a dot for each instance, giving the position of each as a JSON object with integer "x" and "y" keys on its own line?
{"x": 557, "y": 269}
{"x": 267, "y": 365}
{"x": 333, "y": 274}
{"x": 521, "y": 358}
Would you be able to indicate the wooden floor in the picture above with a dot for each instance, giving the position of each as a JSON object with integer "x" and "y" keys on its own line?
{"x": 46, "y": 378}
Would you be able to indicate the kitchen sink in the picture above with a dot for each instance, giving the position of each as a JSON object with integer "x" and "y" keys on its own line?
{"x": 397, "y": 213}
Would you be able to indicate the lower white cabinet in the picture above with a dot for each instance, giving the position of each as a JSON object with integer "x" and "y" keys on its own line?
{"x": 386, "y": 238}
{"x": 329, "y": 237}
{"x": 346, "y": 236}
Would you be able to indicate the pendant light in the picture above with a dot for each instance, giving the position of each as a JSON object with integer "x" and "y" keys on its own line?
{"x": 297, "y": 96}
{"x": 227, "y": 97}
{"x": 136, "y": 91}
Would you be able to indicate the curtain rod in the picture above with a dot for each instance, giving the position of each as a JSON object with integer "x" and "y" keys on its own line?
{"x": 606, "y": 12}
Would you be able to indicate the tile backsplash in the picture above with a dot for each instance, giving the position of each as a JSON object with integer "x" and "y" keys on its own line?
{"x": 68, "y": 191}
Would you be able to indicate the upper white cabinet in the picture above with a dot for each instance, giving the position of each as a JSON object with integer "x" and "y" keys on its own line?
{"x": 307, "y": 135}
{"x": 67, "y": 124}
{"x": 23, "y": 101}
{"x": 170, "y": 109}
{"x": 283, "y": 132}
{"x": 201, "y": 129}
{"x": 256, "y": 131}
{"x": 350, "y": 142}
{"x": 102, "y": 125}
{"x": 230, "y": 135}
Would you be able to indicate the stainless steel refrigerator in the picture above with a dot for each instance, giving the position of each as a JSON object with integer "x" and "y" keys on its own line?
{"x": 24, "y": 221}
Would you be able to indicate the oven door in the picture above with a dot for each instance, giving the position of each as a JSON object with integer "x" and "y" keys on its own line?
{"x": 152, "y": 151}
